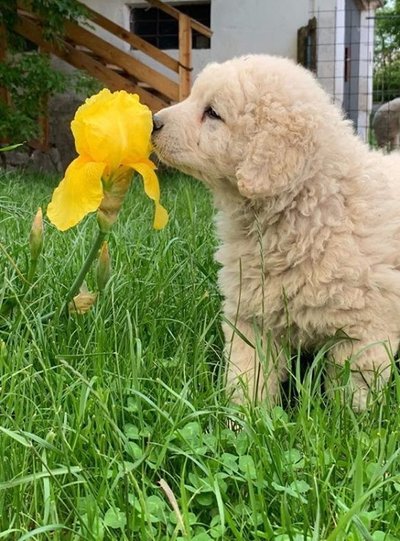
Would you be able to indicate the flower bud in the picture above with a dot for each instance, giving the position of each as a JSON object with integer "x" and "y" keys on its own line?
{"x": 82, "y": 302}
{"x": 3, "y": 350}
{"x": 115, "y": 190}
{"x": 103, "y": 266}
{"x": 36, "y": 235}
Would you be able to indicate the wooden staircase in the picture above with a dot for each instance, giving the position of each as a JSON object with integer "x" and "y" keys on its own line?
{"x": 116, "y": 68}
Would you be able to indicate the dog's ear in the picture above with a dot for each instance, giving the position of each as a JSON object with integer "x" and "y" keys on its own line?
{"x": 280, "y": 156}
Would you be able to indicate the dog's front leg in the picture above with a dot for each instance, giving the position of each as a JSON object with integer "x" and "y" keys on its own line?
{"x": 254, "y": 367}
{"x": 369, "y": 362}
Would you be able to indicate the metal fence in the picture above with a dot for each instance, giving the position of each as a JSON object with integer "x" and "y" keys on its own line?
{"x": 354, "y": 55}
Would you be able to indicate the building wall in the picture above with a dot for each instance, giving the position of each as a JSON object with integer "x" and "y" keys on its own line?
{"x": 256, "y": 26}
{"x": 346, "y": 28}
{"x": 352, "y": 52}
{"x": 238, "y": 30}
{"x": 270, "y": 26}
{"x": 236, "y": 26}
{"x": 365, "y": 88}
{"x": 330, "y": 15}
{"x": 115, "y": 10}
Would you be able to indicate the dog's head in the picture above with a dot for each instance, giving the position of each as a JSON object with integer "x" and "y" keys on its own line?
{"x": 251, "y": 123}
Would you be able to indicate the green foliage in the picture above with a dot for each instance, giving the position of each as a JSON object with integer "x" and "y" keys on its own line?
{"x": 7, "y": 148}
{"x": 387, "y": 81}
{"x": 52, "y": 12}
{"x": 84, "y": 84}
{"x": 387, "y": 53}
{"x": 30, "y": 81}
{"x": 29, "y": 78}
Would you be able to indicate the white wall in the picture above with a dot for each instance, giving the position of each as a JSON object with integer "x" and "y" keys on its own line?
{"x": 330, "y": 16}
{"x": 365, "y": 88}
{"x": 115, "y": 10}
{"x": 238, "y": 30}
{"x": 267, "y": 26}
{"x": 256, "y": 26}
{"x": 236, "y": 25}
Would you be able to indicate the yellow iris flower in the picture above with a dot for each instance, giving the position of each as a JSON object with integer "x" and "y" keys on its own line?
{"x": 112, "y": 136}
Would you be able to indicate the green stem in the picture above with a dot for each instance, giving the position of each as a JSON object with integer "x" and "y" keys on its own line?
{"x": 101, "y": 235}
{"x": 31, "y": 272}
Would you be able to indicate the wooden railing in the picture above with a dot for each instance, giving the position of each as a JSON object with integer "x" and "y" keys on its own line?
{"x": 183, "y": 66}
{"x": 186, "y": 25}
{"x": 117, "y": 69}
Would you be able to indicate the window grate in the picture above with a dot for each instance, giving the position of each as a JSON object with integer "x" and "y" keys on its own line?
{"x": 162, "y": 30}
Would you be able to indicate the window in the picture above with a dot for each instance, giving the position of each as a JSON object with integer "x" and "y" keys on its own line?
{"x": 162, "y": 30}
{"x": 307, "y": 45}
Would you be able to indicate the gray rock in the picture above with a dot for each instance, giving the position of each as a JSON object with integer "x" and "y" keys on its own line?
{"x": 386, "y": 125}
{"x": 42, "y": 161}
{"x": 62, "y": 108}
{"x": 45, "y": 161}
{"x": 16, "y": 158}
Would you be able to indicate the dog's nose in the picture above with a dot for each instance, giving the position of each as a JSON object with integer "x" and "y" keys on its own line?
{"x": 157, "y": 123}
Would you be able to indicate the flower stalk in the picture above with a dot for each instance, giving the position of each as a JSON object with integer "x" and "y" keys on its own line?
{"x": 103, "y": 270}
{"x": 35, "y": 244}
{"x": 92, "y": 255}
{"x": 112, "y": 133}
{"x": 115, "y": 191}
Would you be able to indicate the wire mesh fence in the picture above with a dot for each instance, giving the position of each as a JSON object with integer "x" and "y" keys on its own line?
{"x": 353, "y": 48}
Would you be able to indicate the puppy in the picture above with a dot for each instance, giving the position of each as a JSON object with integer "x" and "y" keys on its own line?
{"x": 308, "y": 218}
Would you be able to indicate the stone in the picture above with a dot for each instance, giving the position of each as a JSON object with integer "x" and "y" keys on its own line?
{"x": 47, "y": 161}
{"x": 16, "y": 158}
{"x": 62, "y": 108}
{"x": 386, "y": 125}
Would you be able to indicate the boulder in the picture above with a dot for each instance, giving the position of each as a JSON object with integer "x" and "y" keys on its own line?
{"x": 62, "y": 108}
{"x": 386, "y": 125}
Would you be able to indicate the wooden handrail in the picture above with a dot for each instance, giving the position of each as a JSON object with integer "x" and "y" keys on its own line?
{"x": 135, "y": 68}
{"x": 131, "y": 65}
{"x": 134, "y": 40}
{"x": 175, "y": 13}
{"x": 185, "y": 56}
{"x": 64, "y": 50}
{"x": 117, "y": 69}
{"x": 82, "y": 48}
{"x": 114, "y": 56}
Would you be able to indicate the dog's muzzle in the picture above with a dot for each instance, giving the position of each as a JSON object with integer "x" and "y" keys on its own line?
{"x": 157, "y": 123}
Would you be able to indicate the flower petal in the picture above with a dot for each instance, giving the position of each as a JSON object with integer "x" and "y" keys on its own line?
{"x": 152, "y": 189}
{"x": 114, "y": 128}
{"x": 79, "y": 193}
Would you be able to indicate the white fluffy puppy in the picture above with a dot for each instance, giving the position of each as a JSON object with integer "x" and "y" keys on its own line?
{"x": 308, "y": 218}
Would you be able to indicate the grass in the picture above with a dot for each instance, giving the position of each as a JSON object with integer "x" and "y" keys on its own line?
{"x": 96, "y": 410}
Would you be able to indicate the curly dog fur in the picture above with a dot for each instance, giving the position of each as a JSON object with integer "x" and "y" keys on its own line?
{"x": 308, "y": 218}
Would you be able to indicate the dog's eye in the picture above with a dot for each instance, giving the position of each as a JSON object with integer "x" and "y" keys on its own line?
{"x": 211, "y": 113}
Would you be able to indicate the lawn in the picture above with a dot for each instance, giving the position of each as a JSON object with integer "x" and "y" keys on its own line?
{"x": 97, "y": 410}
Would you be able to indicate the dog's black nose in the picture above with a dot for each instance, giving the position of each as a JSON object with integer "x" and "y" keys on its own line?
{"x": 157, "y": 123}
